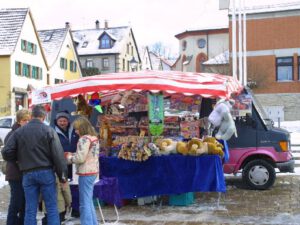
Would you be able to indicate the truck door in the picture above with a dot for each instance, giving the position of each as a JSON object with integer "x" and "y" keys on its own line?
{"x": 247, "y": 129}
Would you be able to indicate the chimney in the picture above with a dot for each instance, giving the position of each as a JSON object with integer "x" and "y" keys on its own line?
{"x": 97, "y": 24}
{"x": 67, "y": 25}
{"x": 105, "y": 24}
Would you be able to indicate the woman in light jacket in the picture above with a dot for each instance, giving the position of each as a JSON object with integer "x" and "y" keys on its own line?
{"x": 16, "y": 209}
{"x": 86, "y": 159}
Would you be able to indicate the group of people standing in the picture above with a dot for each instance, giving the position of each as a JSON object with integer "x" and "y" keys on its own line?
{"x": 37, "y": 158}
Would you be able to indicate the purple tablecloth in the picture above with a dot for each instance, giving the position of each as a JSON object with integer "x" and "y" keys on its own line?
{"x": 106, "y": 189}
{"x": 164, "y": 175}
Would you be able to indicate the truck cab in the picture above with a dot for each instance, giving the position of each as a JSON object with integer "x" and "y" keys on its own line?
{"x": 258, "y": 149}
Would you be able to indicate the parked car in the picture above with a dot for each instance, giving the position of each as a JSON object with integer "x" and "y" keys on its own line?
{"x": 6, "y": 124}
{"x": 259, "y": 149}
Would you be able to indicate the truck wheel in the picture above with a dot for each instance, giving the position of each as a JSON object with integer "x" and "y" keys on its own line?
{"x": 259, "y": 174}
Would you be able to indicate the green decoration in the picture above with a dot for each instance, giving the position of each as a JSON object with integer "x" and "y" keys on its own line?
{"x": 156, "y": 114}
{"x": 99, "y": 108}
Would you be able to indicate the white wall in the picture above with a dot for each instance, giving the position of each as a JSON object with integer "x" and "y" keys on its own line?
{"x": 27, "y": 34}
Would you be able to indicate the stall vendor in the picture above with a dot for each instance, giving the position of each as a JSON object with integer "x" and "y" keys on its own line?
{"x": 66, "y": 133}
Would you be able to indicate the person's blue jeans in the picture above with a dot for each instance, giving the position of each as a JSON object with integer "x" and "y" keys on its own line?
{"x": 35, "y": 182}
{"x": 86, "y": 206}
{"x": 16, "y": 209}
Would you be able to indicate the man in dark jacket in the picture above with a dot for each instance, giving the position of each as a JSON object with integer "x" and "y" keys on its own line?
{"x": 68, "y": 139}
{"x": 37, "y": 149}
{"x": 67, "y": 136}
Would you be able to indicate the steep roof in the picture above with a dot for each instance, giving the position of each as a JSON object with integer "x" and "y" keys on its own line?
{"x": 88, "y": 43}
{"x": 52, "y": 41}
{"x": 11, "y": 22}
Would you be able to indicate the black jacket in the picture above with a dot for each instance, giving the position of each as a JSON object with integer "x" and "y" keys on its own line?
{"x": 12, "y": 169}
{"x": 36, "y": 146}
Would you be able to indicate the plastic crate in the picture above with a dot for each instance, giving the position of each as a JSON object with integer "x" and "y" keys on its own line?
{"x": 182, "y": 199}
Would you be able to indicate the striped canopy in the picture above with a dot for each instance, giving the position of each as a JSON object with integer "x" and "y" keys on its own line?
{"x": 187, "y": 83}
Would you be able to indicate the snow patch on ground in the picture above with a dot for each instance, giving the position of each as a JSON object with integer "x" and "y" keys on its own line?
{"x": 2, "y": 181}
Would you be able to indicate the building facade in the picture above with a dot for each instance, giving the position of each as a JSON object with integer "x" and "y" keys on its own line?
{"x": 107, "y": 49}
{"x": 198, "y": 46}
{"x": 61, "y": 55}
{"x": 22, "y": 60}
{"x": 273, "y": 58}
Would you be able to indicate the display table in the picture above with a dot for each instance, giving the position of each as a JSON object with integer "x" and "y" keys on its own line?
{"x": 164, "y": 175}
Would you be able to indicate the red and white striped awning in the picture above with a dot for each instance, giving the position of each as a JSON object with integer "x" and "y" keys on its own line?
{"x": 188, "y": 83}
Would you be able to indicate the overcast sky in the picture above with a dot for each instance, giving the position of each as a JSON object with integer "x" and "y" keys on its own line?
{"x": 151, "y": 20}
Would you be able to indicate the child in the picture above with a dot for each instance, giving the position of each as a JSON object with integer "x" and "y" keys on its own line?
{"x": 64, "y": 200}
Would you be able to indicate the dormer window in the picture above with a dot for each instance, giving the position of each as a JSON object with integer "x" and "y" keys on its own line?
{"x": 48, "y": 37}
{"x": 85, "y": 44}
{"x": 105, "y": 41}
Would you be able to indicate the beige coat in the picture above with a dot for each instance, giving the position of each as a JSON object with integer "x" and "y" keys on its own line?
{"x": 86, "y": 157}
{"x": 64, "y": 198}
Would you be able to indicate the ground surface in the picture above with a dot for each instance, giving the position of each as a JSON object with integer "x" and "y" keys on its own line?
{"x": 279, "y": 205}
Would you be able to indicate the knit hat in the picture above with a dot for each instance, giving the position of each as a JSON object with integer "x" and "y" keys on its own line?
{"x": 63, "y": 114}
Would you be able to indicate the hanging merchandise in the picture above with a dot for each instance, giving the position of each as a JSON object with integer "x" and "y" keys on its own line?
{"x": 95, "y": 101}
{"x": 156, "y": 114}
{"x": 82, "y": 107}
{"x": 189, "y": 127}
{"x": 185, "y": 103}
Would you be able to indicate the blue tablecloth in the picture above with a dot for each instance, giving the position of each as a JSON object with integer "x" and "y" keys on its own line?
{"x": 164, "y": 175}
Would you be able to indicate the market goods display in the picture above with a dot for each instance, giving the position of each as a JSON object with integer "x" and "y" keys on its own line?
{"x": 136, "y": 135}
{"x": 82, "y": 107}
{"x": 221, "y": 118}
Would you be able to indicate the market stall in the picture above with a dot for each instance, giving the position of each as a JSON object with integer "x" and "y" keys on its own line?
{"x": 149, "y": 129}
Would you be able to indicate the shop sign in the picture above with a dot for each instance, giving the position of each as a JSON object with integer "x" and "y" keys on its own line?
{"x": 41, "y": 96}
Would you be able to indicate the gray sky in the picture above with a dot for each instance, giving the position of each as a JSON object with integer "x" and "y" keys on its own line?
{"x": 151, "y": 20}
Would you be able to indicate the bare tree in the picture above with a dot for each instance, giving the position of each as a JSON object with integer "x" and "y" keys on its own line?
{"x": 162, "y": 50}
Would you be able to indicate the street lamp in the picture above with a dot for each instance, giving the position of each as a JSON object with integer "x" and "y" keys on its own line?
{"x": 133, "y": 63}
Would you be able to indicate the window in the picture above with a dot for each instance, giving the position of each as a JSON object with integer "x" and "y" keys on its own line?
{"x": 26, "y": 70}
{"x": 48, "y": 37}
{"x": 23, "y": 45}
{"x": 201, "y": 43}
{"x": 29, "y": 47}
{"x": 73, "y": 66}
{"x": 105, "y": 63}
{"x": 284, "y": 68}
{"x": 34, "y": 72}
{"x": 63, "y": 63}
{"x": 184, "y": 44}
{"x": 123, "y": 64}
{"x": 105, "y": 42}
{"x": 89, "y": 63}
{"x": 6, "y": 123}
{"x": 18, "y": 67}
{"x": 85, "y": 44}
{"x": 298, "y": 67}
{"x": 58, "y": 81}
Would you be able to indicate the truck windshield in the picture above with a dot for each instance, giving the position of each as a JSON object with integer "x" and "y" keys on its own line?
{"x": 263, "y": 115}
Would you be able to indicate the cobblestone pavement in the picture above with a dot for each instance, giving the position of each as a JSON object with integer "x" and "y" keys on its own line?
{"x": 238, "y": 206}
